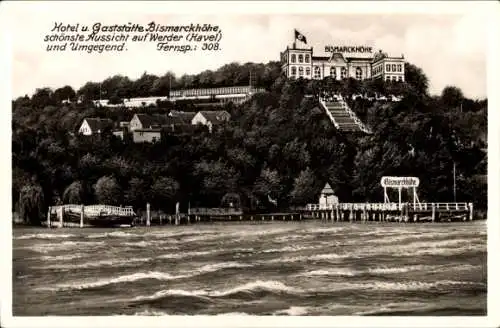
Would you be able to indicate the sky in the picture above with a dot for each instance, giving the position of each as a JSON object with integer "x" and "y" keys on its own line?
{"x": 451, "y": 48}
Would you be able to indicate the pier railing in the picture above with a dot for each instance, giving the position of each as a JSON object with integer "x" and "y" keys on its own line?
{"x": 391, "y": 206}
{"x": 93, "y": 210}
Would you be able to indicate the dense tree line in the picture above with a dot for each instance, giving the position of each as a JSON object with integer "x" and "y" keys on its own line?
{"x": 279, "y": 145}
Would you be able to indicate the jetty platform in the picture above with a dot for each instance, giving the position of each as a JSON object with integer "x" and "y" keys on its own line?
{"x": 391, "y": 212}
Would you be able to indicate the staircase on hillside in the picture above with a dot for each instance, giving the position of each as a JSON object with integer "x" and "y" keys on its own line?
{"x": 343, "y": 117}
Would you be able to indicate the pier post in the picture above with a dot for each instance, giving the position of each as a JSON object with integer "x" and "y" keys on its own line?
{"x": 189, "y": 219}
{"x": 48, "y": 217}
{"x": 333, "y": 215}
{"x": 148, "y": 215}
{"x": 471, "y": 208}
{"x": 161, "y": 217}
{"x": 272, "y": 217}
{"x": 350, "y": 215}
{"x": 82, "y": 214}
{"x": 61, "y": 220}
{"x": 300, "y": 216}
{"x": 433, "y": 212}
{"x": 338, "y": 213}
{"x": 364, "y": 213}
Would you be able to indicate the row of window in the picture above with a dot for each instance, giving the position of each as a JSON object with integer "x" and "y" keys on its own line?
{"x": 394, "y": 78}
{"x": 393, "y": 68}
{"x": 388, "y": 68}
{"x": 302, "y": 58}
{"x": 317, "y": 72}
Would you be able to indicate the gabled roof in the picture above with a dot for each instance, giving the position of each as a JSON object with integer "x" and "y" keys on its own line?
{"x": 97, "y": 124}
{"x": 327, "y": 190}
{"x": 216, "y": 116}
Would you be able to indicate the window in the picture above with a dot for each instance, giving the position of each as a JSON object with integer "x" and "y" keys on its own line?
{"x": 293, "y": 58}
{"x": 317, "y": 72}
{"x": 359, "y": 73}
{"x": 301, "y": 71}
{"x": 333, "y": 72}
{"x": 394, "y": 67}
{"x": 394, "y": 78}
{"x": 387, "y": 78}
{"x": 301, "y": 58}
{"x": 308, "y": 71}
{"x": 307, "y": 58}
{"x": 400, "y": 78}
{"x": 294, "y": 71}
{"x": 343, "y": 73}
{"x": 400, "y": 68}
{"x": 387, "y": 68}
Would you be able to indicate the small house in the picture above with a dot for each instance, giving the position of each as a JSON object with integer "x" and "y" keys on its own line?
{"x": 211, "y": 118}
{"x": 145, "y": 121}
{"x": 92, "y": 126}
{"x": 327, "y": 197}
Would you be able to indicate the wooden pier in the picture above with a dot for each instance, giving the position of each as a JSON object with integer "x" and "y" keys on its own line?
{"x": 391, "y": 212}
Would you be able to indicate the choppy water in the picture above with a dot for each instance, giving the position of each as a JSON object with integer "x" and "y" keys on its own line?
{"x": 255, "y": 269}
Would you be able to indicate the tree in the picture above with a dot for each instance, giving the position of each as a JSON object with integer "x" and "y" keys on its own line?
{"x": 74, "y": 193}
{"x": 416, "y": 78}
{"x": 452, "y": 96}
{"x": 31, "y": 203}
{"x": 107, "y": 191}
{"x": 64, "y": 93}
{"x": 304, "y": 189}
{"x": 164, "y": 192}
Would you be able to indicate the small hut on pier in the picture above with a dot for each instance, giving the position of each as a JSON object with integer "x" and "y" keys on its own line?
{"x": 327, "y": 197}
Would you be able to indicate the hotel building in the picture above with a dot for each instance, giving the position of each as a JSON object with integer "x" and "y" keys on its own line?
{"x": 342, "y": 63}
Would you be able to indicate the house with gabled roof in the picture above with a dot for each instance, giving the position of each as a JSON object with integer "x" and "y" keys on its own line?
{"x": 91, "y": 126}
{"x": 211, "y": 118}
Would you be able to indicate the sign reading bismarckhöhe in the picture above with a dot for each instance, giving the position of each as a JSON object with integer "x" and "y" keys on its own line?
{"x": 397, "y": 182}
{"x": 349, "y": 49}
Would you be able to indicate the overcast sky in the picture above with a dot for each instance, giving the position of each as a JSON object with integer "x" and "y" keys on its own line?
{"x": 450, "y": 48}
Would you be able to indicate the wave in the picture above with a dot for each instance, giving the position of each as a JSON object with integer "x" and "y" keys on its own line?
{"x": 149, "y": 243}
{"x": 50, "y": 247}
{"x": 115, "y": 234}
{"x": 121, "y": 279}
{"x": 294, "y": 310}
{"x": 187, "y": 254}
{"x": 220, "y": 266}
{"x": 63, "y": 257}
{"x": 331, "y": 272}
{"x": 139, "y": 275}
{"x": 348, "y": 272}
{"x": 232, "y": 313}
{"x": 251, "y": 287}
{"x": 150, "y": 313}
{"x": 96, "y": 264}
{"x": 45, "y": 236}
{"x": 402, "y": 286}
{"x": 290, "y": 249}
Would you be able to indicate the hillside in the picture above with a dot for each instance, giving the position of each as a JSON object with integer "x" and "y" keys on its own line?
{"x": 278, "y": 144}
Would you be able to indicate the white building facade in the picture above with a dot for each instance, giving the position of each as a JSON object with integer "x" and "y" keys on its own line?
{"x": 342, "y": 63}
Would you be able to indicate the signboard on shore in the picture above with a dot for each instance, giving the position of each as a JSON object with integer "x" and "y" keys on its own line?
{"x": 399, "y": 182}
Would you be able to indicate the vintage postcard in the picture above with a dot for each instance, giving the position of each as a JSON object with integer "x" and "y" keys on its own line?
{"x": 251, "y": 164}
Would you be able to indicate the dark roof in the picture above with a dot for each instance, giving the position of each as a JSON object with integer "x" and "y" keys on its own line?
{"x": 183, "y": 117}
{"x": 216, "y": 116}
{"x": 148, "y": 120}
{"x": 97, "y": 124}
{"x": 320, "y": 57}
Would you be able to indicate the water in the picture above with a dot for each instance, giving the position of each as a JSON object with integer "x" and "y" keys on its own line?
{"x": 255, "y": 269}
